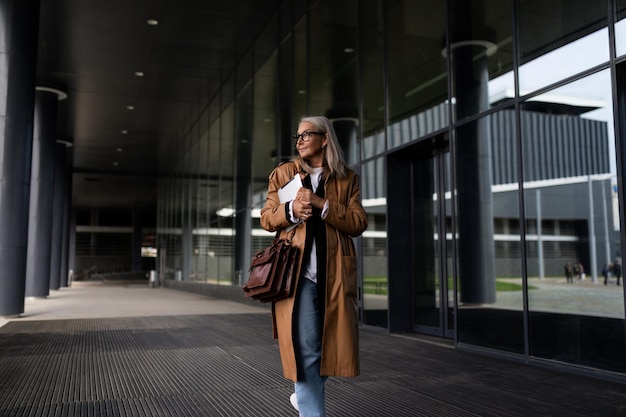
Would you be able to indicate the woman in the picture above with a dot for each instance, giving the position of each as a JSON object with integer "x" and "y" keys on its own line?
{"x": 317, "y": 327}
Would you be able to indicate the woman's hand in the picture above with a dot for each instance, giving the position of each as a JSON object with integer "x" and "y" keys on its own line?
{"x": 304, "y": 202}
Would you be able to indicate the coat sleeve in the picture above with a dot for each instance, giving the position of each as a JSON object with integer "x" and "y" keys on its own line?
{"x": 274, "y": 213}
{"x": 348, "y": 215}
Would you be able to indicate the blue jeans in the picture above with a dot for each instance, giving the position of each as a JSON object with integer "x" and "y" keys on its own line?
{"x": 308, "y": 350}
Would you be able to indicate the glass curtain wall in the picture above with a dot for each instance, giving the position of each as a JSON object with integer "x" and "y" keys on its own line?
{"x": 576, "y": 303}
{"x": 620, "y": 27}
{"x": 264, "y": 144}
{"x": 226, "y": 227}
{"x": 489, "y": 284}
{"x": 372, "y": 145}
{"x": 417, "y": 71}
{"x": 213, "y": 208}
{"x": 515, "y": 125}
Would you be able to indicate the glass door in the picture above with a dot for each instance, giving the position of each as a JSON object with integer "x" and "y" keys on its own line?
{"x": 433, "y": 282}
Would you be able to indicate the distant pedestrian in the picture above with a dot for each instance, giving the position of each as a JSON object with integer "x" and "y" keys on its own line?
{"x": 617, "y": 270}
{"x": 606, "y": 271}
{"x": 577, "y": 270}
{"x": 581, "y": 271}
{"x": 569, "y": 273}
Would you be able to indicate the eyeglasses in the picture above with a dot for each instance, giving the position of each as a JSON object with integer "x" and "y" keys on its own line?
{"x": 305, "y": 136}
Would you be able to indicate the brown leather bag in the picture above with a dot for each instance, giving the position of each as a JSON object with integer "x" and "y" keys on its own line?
{"x": 272, "y": 272}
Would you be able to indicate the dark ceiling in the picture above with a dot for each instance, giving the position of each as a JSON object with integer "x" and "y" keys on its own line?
{"x": 93, "y": 51}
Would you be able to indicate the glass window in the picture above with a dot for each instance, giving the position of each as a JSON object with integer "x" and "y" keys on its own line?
{"x": 300, "y": 68}
{"x": 620, "y": 27}
{"x": 203, "y": 203}
{"x": 480, "y": 49}
{"x": 577, "y": 40}
{"x": 374, "y": 244}
{"x": 333, "y": 69}
{"x": 573, "y": 235}
{"x": 224, "y": 241}
{"x": 213, "y": 234}
{"x": 265, "y": 143}
{"x": 242, "y": 175}
{"x": 417, "y": 73}
{"x": 490, "y": 284}
{"x": 371, "y": 78}
{"x": 194, "y": 201}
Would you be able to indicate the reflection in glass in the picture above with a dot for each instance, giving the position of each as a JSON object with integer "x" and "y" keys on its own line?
{"x": 479, "y": 49}
{"x": 490, "y": 286}
{"x": 211, "y": 233}
{"x": 332, "y": 75}
{"x": 427, "y": 215}
{"x": 265, "y": 144}
{"x": 224, "y": 240}
{"x": 620, "y": 28}
{"x": 371, "y": 77}
{"x": 296, "y": 45}
{"x": 572, "y": 226}
{"x": 577, "y": 40}
{"x": 374, "y": 244}
{"x": 432, "y": 278}
{"x": 417, "y": 77}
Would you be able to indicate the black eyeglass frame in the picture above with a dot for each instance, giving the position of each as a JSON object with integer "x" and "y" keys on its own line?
{"x": 307, "y": 134}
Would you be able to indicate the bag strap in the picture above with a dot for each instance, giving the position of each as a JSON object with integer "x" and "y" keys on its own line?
{"x": 291, "y": 235}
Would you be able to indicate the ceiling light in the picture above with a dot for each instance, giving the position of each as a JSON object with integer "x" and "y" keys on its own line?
{"x": 119, "y": 149}
{"x": 301, "y": 91}
{"x": 152, "y": 22}
{"x": 115, "y": 164}
{"x": 348, "y": 50}
{"x": 139, "y": 73}
{"x": 124, "y": 132}
{"x": 129, "y": 107}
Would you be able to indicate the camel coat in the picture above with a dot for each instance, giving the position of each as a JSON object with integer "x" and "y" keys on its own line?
{"x": 346, "y": 218}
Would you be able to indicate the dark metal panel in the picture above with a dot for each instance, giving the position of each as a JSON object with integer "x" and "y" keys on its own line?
{"x": 399, "y": 243}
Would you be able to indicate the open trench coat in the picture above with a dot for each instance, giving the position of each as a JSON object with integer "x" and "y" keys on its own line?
{"x": 346, "y": 218}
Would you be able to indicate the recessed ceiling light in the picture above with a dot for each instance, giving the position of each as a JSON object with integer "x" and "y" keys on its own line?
{"x": 115, "y": 164}
{"x": 139, "y": 73}
{"x": 301, "y": 91}
{"x": 124, "y": 132}
{"x": 152, "y": 22}
{"x": 119, "y": 149}
{"x": 129, "y": 107}
{"x": 348, "y": 50}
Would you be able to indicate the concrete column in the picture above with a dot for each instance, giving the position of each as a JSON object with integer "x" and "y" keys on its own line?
{"x": 42, "y": 193}
{"x": 58, "y": 215}
{"x": 243, "y": 189}
{"x": 71, "y": 242}
{"x": 137, "y": 241}
{"x": 18, "y": 54}
{"x": 186, "y": 249}
{"x": 470, "y": 48}
{"x": 67, "y": 226}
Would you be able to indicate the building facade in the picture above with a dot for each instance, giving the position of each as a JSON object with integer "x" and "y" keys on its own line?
{"x": 489, "y": 139}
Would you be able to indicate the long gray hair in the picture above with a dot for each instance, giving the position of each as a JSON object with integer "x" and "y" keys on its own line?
{"x": 334, "y": 162}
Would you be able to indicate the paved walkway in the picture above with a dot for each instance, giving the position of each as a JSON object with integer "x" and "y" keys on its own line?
{"x": 130, "y": 350}
{"x": 95, "y": 299}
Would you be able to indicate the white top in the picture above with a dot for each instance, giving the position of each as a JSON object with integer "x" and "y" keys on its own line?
{"x": 311, "y": 270}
